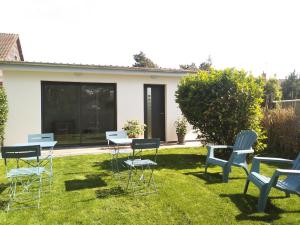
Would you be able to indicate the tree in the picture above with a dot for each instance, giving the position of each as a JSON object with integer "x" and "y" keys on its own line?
{"x": 272, "y": 92}
{"x": 142, "y": 61}
{"x": 291, "y": 86}
{"x": 206, "y": 65}
{"x": 3, "y": 113}
{"x": 221, "y": 103}
{"x": 191, "y": 66}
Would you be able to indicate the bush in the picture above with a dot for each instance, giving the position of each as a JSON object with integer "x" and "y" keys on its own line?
{"x": 3, "y": 113}
{"x": 221, "y": 103}
{"x": 282, "y": 131}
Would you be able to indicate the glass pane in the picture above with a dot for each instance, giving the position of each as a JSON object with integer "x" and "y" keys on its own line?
{"x": 149, "y": 113}
{"x": 97, "y": 112}
{"x": 61, "y": 112}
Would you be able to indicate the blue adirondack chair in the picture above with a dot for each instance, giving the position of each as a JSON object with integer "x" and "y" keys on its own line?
{"x": 290, "y": 185}
{"x": 242, "y": 146}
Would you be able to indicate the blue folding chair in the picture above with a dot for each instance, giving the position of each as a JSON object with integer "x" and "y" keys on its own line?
{"x": 21, "y": 175}
{"x": 242, "y": 146}
{"x": 47, "y": 159}
{"x": 136, "y": 162}
{"x": 116, "y": 139}
{"x": 290, "y": 185}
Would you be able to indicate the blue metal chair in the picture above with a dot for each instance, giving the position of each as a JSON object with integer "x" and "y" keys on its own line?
{"x": 137, "y": 162}
{"x": 40, "y": 137}
{"x": 242, "y": 146}
{"x": 45, "y": 160}
{"x": 124, "y": 140}
{"x": 22, "y": 179}
{"x": 290, "y": 185}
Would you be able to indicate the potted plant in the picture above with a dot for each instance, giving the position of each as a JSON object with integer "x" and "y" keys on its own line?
{"x": 134, "y": 128}
{"x": 181, "y": 129}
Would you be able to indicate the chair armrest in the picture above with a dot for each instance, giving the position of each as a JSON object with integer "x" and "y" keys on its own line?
{"x": 211, "y": 149}
{"x": 256, "y": 162}
{"x": 280, "y": 172}
{"x": 269, "y": 159}
{"x": 241, "y": 152}
{"x": 219, "y": 146}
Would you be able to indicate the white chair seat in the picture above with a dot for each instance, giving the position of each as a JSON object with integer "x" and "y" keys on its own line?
{"x": 25, "y": 171}
{"x": 140, "y": 162}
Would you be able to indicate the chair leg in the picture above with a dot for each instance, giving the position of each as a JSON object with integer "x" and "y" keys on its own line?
{"x": 39, "y": 192}
{"x": 262, "y": 201}
{"x": 129, "y": 178}
{"x": 246, "y": 186}
{"x": 151, "y": 179}
{"x": 226, "y": 171}
{"x": 246, "y": 170}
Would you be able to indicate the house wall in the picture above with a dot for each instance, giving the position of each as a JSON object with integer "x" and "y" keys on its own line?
{"x": 24, "y": 99}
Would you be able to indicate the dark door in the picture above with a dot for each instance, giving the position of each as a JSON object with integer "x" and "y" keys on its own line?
{"x": 154, "y": 111}
{"x": 78, "y": 113}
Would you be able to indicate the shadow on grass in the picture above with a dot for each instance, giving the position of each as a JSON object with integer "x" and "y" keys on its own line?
{"x": 3, "y": 204}
{"x": 212, "y": 178}
{"x": 164, "y": 161}
{"x": 106, "y": 193}
{"x": 247, "y": 206}
{"x": 91, "y": 181}
{"x": 3, "y": 187}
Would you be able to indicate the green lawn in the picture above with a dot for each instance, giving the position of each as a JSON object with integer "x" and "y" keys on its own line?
{"x": 84, "y": 192}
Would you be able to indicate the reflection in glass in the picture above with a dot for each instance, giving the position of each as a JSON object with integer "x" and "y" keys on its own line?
{"x": 78, "y": 113}
{"x": 149, "y": 113}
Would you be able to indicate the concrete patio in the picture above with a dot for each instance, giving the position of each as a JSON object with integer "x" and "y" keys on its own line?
{"x": 94, "y": 150}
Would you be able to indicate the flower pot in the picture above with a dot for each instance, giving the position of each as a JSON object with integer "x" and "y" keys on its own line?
{"x": 181, "y": 138}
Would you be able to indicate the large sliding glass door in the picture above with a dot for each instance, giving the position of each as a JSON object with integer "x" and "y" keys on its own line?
{"x": 78, "y": 113}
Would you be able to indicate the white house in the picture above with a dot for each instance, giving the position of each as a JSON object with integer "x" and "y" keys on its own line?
{"x": 78, "y": 103}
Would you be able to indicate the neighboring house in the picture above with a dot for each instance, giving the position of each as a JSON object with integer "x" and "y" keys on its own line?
{"x": 10, "y": 49}
{"x": 78, "y": 103}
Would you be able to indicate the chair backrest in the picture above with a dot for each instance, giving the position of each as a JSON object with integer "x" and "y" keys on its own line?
{"x": 140, "y": 144}
{"x": 116, "y": 134}
{"x": 244, "y": 140}
{"x": 294, "y": 180}
{"x": 145, "y": 143}
{"x": 40, "y": 137}
{"x": 17, "y": 152}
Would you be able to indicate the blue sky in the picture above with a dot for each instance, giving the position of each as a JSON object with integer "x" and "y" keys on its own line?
{"x": 254, "y": 35}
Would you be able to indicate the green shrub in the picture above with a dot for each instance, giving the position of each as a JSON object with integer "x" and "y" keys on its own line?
{"x": 3, "y": 113}
{"x": 221, "y": 103}
{"x": 282, "y": 130}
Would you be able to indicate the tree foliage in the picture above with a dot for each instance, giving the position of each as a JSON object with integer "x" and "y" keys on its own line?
{"x": 272, "y": 92}
{"x": 191, "y": 66}
{"x": 206, "y": 65}
{"x": 142, "y": 61}
{"x": 3, "y": 113}
{"x": 291, "y": 86}
{"x": 221, "y": 103}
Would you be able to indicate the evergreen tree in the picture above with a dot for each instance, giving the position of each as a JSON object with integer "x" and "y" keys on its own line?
{"x": 291, "y": 86}
{"x": 142, "y": 61}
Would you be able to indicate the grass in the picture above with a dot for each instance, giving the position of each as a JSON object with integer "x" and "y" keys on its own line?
{"x": 84, "y": 192}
